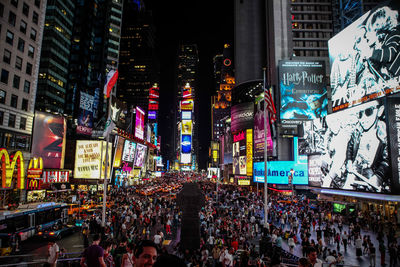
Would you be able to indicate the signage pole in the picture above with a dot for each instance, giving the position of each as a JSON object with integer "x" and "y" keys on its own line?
{"x": 103, "y": 217}
{"x": 265, "y": 161}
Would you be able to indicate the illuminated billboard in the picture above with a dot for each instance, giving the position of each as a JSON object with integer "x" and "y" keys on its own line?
{"x": 139, "y": 125}
{"x": 364, "y": 58}
{"x": 118, "y": 152}
{"x": 90, "y": 159}
{"x": 187, "y": 104}
{"x": 353, "y": 145}
{"x": 213, "y": 173}
{"x": 186, "y": 158}
{"x": 85, "y": 117}
{"x": 153, "y": 104}
{"x": 259, "y": 134}
{"x": 240, "y": 153}
{"x": 140, "y": 155}
{"x": 152, "y": 115}
{"x": 128, "y": 154}
{"x": 242, "y": 116}
{"x": 186, "y": 115}
{"x": 186, "y": 127}
{"x": 249, "y": 152}
{"x": 186, "y": 143}
{"x": 303, "y": 90}
{"x": 187, "y": 92}
{"x": 154, "y": 92}
{"x": 48, "y": 141}
{"x": 393, "y": 124}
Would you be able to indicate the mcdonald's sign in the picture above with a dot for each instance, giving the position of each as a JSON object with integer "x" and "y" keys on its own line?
{"x": 34, "y": 184}
{"x": 35, "y": 168}
{"x": 8, "y": 168}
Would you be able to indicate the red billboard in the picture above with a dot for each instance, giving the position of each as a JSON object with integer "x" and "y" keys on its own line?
{"x": 48, "y": 141}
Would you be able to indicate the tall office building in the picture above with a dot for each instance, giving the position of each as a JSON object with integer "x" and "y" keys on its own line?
{"x": 186, "y": 76}
{"x": 21, "y": 34}
{"x": 54, "y": 60}
{"x": 139, "y": 66}
{"x": 221, "y": 103}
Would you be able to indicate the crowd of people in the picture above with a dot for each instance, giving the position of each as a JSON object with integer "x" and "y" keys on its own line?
{"x": 142, "y": 230}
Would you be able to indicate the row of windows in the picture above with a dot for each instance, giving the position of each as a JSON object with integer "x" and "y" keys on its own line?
{"x": 14, "y": 101}
{"x": 317, "y": 17}
{"x": 14, "y": 141}
{"x": 311, "y": 53}
{"x": 311, "y": 7}
{"x": 25, "y": 5}
{"x": 18, "y": 60}
{"x": 298, "y": 34}
{"x": 312, "y": 26}
{"x": 21, "y": 42}
{"x": 310, "y": 43}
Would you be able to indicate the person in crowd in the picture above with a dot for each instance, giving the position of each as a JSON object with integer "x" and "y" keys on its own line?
{"x": 145, "y": 254}
{"x": 312, "y": 257}
{"x": 93, "y": 256}
{"x": 53, "y": 252}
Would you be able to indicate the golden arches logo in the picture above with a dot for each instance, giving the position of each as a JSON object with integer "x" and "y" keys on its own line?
{"x": 35, "y": 167}
{"x": 8, "y": 167}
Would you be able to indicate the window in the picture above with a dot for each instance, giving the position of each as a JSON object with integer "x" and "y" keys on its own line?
{"x": 22, "y": 123}
{"x": 12, "y": 18}
{"x": 28, "y": 68}
{"x": 18, "y": 63}
{"x": 11, "y": 120}
{"x": 7, "y": 56}
{"x": 16, "y": 81}
{"x": 14, "y": 3}
{"x": 31, "y": 51}
{"x": 10, "y": 38}
{"x": 14, "y": 101}
{"x": 27, "y": 86}
{"x": 37, "y": 3}
{"x": 33, "y": 34}
{"x": 24, "y": 104}
{"x": 25, "y": 9}
{"x": 3, "y": 97}
{"x": 35, "y": 17}
{"x": 1, "y": 117}
{"x": 21, "y": 45}
{"x": 4, "y": 76}
{"x": 23, "y": 26}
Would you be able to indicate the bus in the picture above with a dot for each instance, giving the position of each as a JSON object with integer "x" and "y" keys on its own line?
{"x": 28, "y": 218}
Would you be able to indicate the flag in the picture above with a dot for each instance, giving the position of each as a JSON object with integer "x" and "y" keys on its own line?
{"x": 270, "y": 104}
{"x": 110, "y": 125}
{"x": 112, "y": 77}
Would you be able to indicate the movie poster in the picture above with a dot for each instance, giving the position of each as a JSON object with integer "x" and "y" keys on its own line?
{"x": 140, "y": 155}
{"x": 259, "y": 140}
{"x": 48, "y": 139}
{"x": 364, "y": 58}
{"x": 353, "y": 145}
{"x": 228, "y": 145}
{"x": 393, "y": 124}
{"x": 85, "y": 117}
{"x": 303, "y": 90}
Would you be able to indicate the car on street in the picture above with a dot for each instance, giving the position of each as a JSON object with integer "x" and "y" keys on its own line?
{"x": 57, "y": 233}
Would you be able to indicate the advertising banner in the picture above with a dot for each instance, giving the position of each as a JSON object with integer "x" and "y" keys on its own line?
{"x": 148, "y": 132}
{"x": 140, "y": 155}
{"x": 50, "y": 177}
{"x": 154, "y": 93}
{"x": 152, "y": 115}
{"x": 249, "y": 152}
{"x": 153, "y": 104}
{"x": 187, "y": 104}
{"x": 303, "y": 90}
{"x": 354, "y": 149}
{"x": 139, "y": 124}
{"x": 213, "y": 173}
{"x": 118, "y": 152}
{"x": 129, "y": 151}
{"x": 364, "y": 58}
{"x": 239, "y": 153}
{"x": 119, "y": 113}
{"x": 186, "y": 158}
{"x": 242, "y": 116}
{"x": 186, "y": 127}
{"x": 90, "y": 159}
{"x": 228, "y": 145}
{"x": 259, "y": 132}
{"x": 314, "y": 170}
{"x": 186, "y": 143}
{"x": 187, "y": 92}
{"x": 393, "y": 124}
{"x": 48, "y": 141}
{"x": 85, "y": 117}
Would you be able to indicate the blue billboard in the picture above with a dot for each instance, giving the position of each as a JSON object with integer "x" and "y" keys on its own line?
{"x": 186, "y": 143}
{"x": 279, "y": 171}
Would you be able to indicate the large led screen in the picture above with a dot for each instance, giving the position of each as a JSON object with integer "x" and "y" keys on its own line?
{"x": 228, "y": 145}
{"x": 239, "y": 152}
{"x": 128, "y": 154}
{"x": 242, "y": 116}
{"x": 48, "y": 141}
{"x": 85, "y": 117}
{"x": 186, "y": 143}
{"x": 353, "y": 145}
{"x": 186, "y": 115}
{"x": 393, "y": 124}
{"x": 365, "y": 59}
{"x": 187, "y": 104}
{"x": 118, "y": 152}
{"x": 139, "y": 125}
{"x": 186, "y": 127}
{"x": 259, "y": 133}
{"x": 303, "y": 90}
{"x": 140, "y": 155}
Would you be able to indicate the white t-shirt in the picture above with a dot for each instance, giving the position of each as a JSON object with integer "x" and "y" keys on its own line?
{"x": 53, "y": 250}
{"x": 228, "y": 260}
{"x": 157, "y": 239}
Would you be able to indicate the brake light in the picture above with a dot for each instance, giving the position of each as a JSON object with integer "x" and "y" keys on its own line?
{"x": 40, "y": 233}
{"x": 51, "y": 233}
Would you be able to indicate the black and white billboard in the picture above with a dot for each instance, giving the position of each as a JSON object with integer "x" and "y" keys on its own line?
{"x": 365, "y": 58}
{"x": 353, "y": 149}
{"x": 393, "y": 124}
{"x": 303, "y": 90}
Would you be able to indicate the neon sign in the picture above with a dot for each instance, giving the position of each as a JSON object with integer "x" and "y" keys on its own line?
{"x": 8, "y": 168}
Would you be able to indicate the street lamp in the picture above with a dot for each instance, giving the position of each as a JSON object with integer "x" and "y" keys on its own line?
{"x": 290, "y": 178}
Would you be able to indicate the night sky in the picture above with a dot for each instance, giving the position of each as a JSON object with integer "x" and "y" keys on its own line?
{"x": 209, "y": 24}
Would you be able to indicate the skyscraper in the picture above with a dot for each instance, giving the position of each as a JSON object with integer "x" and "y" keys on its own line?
{"x": 54, "y": 60}
{"x": 21, "y": 34}
{"x": 139, "y": 67}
